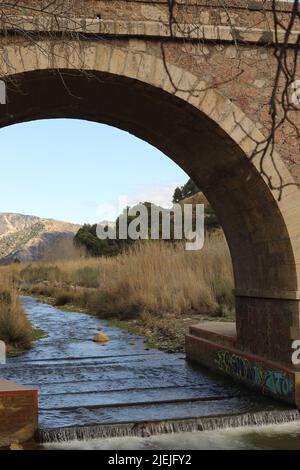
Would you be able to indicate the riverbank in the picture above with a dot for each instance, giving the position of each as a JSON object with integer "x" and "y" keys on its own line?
{"x": 155, "y": 289}
{"x": 166, "y": 333}
{"x": 15, "y": 328}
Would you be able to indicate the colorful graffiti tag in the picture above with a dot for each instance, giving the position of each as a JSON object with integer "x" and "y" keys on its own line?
{"x": 269, "y": 380}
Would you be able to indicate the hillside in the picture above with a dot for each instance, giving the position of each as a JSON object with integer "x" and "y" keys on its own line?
{"x": 30, "y": 238}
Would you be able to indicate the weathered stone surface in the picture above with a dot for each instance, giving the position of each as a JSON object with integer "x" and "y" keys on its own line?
{"x": 197, "y": 88}
{"x": 18, "y": 413}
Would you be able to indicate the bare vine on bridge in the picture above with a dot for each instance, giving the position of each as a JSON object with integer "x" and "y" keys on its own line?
{"x": 283, "y": 111}
{"x": 187, "y": 39}
{"x": 283, "y": 123}
{"x": 54, "y": 20}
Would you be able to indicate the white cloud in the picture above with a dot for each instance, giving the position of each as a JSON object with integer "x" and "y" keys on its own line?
{"x": 160, "y": 195}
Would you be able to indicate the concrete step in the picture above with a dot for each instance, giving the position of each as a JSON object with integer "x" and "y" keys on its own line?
{"x": 222, "y": 332}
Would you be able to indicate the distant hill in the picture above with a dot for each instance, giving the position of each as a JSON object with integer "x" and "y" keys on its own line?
{"x": 30, "y": 238}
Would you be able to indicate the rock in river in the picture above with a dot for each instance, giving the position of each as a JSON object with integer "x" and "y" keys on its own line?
{"x": 101, "y": 338}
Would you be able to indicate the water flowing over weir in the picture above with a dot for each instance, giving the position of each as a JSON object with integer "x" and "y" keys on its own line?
{"x": 123, "y": 389}
{"x": 85, "y": 433}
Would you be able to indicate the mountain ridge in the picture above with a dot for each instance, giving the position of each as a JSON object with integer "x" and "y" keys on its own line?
{"x": 26, "y": 237}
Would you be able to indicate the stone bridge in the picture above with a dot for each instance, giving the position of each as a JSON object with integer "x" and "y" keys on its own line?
{"x": 194, "y": 79}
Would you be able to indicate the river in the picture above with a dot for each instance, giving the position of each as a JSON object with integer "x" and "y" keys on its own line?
{"x": 123, "y": 395}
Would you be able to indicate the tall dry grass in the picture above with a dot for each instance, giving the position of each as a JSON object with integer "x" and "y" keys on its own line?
{"x": 154, "y": 277}
{"x": 15, "y": 328}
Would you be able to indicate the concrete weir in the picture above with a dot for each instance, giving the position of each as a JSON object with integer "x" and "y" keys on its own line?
{"x": 216, "y": 345}
{"x": 18, "y": 413}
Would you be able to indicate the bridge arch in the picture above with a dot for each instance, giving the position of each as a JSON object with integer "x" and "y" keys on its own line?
{"x": 204, "y": 133}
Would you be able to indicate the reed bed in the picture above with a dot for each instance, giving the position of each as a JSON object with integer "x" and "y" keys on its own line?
{"x": 15, "y": 328}
{"x": 155, "y": 277}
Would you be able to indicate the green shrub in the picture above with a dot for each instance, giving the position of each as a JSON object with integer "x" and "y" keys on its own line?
{"x": 63, "y": 299}
{"x": 81, "y": 298}
{"x": 41, "y": 273}
{"x": 5, "y": 297}
{"x": 87, "y": 277}
{"x": 130, "y": 312}
{"x": 99, "y": 304}
{"x": 42, "y": 290}
{"x": 106, "y": 305}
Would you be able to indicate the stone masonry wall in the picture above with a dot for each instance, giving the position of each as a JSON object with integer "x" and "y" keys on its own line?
{"x": 239, "y": 67}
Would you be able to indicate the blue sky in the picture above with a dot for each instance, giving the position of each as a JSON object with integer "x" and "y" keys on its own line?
{"x": 80, "y": 171}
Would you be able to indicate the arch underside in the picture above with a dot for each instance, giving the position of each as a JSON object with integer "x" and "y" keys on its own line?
{"x": 255, "y": 228}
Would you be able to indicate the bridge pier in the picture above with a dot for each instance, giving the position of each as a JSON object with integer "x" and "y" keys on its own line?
{"x": 217, "y": 346}
{"x": 18, "y": 413}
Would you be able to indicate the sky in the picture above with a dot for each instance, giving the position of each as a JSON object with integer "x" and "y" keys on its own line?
{"x": 80, "y": 172}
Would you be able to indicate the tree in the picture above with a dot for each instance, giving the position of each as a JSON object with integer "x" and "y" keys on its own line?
{"x": 177, "y": 196}
{"x": 86, "y": 237}
{"x": 187, "y": 190}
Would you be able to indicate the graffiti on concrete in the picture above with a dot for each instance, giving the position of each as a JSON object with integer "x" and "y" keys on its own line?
{"x": 269, "y": 380}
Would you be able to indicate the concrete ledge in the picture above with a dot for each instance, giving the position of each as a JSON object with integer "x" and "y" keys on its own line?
{"x": 267, "y": 294}
{"x": 143, "y": 29}
{"x": 223, "y": 332}
{"x": 18, "y": 413}
{"x": 214, "y": 351}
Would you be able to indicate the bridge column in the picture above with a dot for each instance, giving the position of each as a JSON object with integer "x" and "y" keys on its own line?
{"x": 268, "y": 326}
